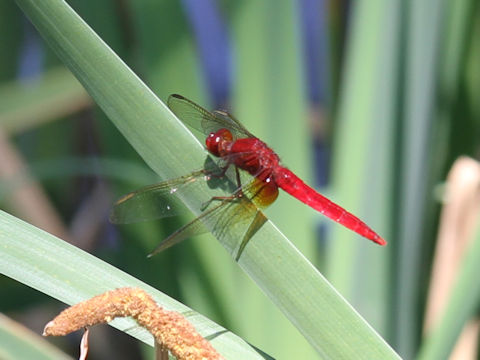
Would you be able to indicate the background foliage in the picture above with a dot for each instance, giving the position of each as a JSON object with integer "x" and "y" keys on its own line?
{"x": 371, "y": 101}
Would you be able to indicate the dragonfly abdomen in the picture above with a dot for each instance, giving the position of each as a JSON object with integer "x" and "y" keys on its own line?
{"x": 293, "y": 185}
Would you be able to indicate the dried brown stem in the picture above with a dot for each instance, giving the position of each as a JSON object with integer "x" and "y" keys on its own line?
{"x": 457, "y": 224}
{"x": 30, "y": 201}
{"x": 169, "y": 328}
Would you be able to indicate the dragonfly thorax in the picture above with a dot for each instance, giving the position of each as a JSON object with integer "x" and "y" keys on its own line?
{"x": 254, "y": 156}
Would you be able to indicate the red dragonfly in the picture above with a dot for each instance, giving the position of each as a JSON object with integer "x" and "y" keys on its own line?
{"x": 228, "y": 140}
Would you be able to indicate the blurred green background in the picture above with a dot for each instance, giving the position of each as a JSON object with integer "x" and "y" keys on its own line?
{"x": 369, "y": 101}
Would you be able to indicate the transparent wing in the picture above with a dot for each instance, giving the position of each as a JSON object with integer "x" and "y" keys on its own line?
{"x": 229, "y": 218}
{"x": 203, "y": 120}
{"x": 159, "y": 200}
{"x": 152, "y": 201}
{"x": 234, "y": 215}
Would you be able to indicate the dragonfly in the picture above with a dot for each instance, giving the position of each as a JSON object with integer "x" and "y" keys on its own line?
{"x": 235, "y": 147}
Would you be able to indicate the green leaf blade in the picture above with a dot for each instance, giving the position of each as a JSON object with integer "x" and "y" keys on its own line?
{"x": 332, "y": 327}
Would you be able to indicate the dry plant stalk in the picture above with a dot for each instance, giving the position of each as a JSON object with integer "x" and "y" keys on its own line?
{"x": 466, "y": 346}
{"x": 169, "y": 328}
{"x": 84, "y": 345}
{"x": 457, "y": 224}
{"x": 29, "y": 201}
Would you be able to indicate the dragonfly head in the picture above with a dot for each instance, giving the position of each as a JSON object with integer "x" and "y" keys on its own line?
{"x": 218, "y": 141}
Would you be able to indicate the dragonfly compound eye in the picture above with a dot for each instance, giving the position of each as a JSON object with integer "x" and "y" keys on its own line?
{"x": 212, "y": 143}
{"x": 217, "y": 140}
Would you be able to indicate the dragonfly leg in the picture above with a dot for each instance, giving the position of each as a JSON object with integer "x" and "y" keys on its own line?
{"x": 230, "y": 198}
{"x": 238, "y": 193}
{"x": 224, "y": 171}
{"x": 221, "y": 174}
{"x": 239, "y": 182}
